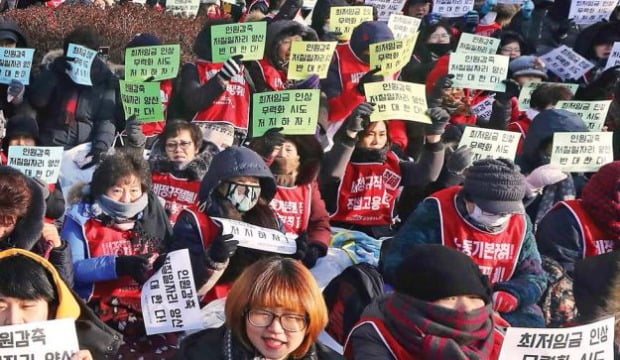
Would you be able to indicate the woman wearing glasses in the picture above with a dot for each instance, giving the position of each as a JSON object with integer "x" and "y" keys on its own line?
{"x": 274, "y": 311}
{"x": 434, "y": 42}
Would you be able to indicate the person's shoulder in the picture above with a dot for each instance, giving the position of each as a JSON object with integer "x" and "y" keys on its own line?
{"x": 322, "y": 352}
{"x": 208, "y": 341}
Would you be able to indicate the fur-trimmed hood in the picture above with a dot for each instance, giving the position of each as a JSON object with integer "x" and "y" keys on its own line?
{"x": 195, "y": 170}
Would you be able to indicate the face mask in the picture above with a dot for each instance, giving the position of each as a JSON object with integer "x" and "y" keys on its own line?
{"x": 243, "y": 197}
{"x": 486, "y": 219}
{"x": 439, "y": 49}
{"x": 527, "y": 9}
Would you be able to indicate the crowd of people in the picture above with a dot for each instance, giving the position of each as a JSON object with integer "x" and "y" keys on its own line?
{"x": 445, "y": 253}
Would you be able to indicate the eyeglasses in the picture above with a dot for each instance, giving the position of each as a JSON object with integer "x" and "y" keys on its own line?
{"x": 289, "y": 322}
{"x": 510, "y": 50}
{"x": 184, "y": 145}
{"x": 437, "y": 37}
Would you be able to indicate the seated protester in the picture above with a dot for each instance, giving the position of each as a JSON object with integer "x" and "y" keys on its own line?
{"x": 429, "y": 319}
{"x": 116, "y": 230}
{"x": 70, "y": 114}
{"x": 179, "y": 160}
{"x": 511, "y": 44}
{"x": 31, "y": 290}
{"x": 589, "y": 226}
{"x": 485, "y": 212}
{"x": 297, "y": 201}
{"x": 361, "y": 176}
{"x": 12, "y": 96}
{"x": 275, "y": 311}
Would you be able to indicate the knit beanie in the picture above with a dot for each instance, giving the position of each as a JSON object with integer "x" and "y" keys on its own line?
{"x": 433, "y": 272}
{"x": 496, "y": 186}
{"x": 144, "y": 39}
{"x": 600, "y": 199}
{"x": 22, "y": 125}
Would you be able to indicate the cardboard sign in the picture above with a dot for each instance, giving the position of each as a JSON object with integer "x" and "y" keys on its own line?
{"x": 566, "y": 63}
{"x": 169, "y": 300}
{"x": 53, "y": 339}
{"x": 392, "y": 55}
{"x": 385, "y": 8}
{"x": 187, "y": 8}
{"x": 297, "y": 111}
{"x": 310, "y": 57}
{"x": 489, "y": 143}
{"x": 403, "y": 26}
{"x": 258, "y": 238}
{"x": 15, "y": 64}
{"x": 582, "y": 151}
{"x": 479, "y": 71}
{"x": 484, "y": 108}
{"x": 452, "y": 8}
{"x": 143, "y": 100}
{"x": 160, "y": 62}
{"x": 528, "y": 89}
{"x": 471, "y": 43}
{"x": 343, "y": 19}
{"x": 587, "y": 12}
{"x": 614, "y": 57}
{"x": 247, "y": 39}
{"x": 593, "y": 113}
{"x": 42, "y": 162}
{"x": 587, "y": 342}
{"x": 397, "y": 100}
{"x": 80, "y": 67}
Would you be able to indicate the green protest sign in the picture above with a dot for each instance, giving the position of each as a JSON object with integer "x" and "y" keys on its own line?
{"x": 247, "y": 39}
{"x": 160, "y": 62}
{"x": 297, "y": 111}
{"x": 143, "y": 100}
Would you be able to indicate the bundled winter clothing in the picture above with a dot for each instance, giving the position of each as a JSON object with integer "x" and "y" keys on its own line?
{"x": 19, "y": 104}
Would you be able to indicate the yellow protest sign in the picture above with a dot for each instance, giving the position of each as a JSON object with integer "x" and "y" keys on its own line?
{"x": 477, "y": 44}
{"x": 310, "y": 57}
{"x": 397, "y": 100}
{"x": 479, "y": 71}
{"x": 403, "y": 26}
{"x": 343, "y": 19}
{"x": 392, "y": 55}
{"x": 593, "y": 113}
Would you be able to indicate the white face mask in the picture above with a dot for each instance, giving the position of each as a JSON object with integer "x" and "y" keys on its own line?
{"x": 243, "y": 197}
{"x": 487, "y": 219}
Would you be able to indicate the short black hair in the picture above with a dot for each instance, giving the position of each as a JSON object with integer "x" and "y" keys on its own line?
{"x": 118, "y": 166}
{"x": 23, "y": 278}
{"x": 84, "y": 36}
{"x": 549, "y": 94}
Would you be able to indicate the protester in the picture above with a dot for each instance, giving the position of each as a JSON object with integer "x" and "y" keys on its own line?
{"x": 433, "y": 42}
{"x": 511, "y": 44}
{"x": 13, "y": 96}
{"x": 417, "y": 8}
{"x": 505, "y": 13}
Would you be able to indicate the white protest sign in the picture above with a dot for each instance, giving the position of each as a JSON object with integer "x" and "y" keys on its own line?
{"x": 587, "y": 12}
{"x": 403, "y": 26}
{"x": 479, "y": 71}
{"x": 385, "y": 8}
{"x": 566, "y": 63}
{"x": 258, "y": 238}
{"x": 477, "y": 44}
{"x": 593, "y": 113}
{"x": 587, "y": 342}
{"x": 484, "y": 108}
{"x": 169, "y": 300}
{"x": 452, "y": 8}
{"x": 42, "y": 162}
{"x": 582, "y": 151}
{"x": 187, "y": 8}
{"x": 15, "y": 64}
{"x": 80, "y": 67}
{"x": 489, "y": 143}
{"x": 614, "y": 56}
{"x": 53, "y": 339}
{"x": 528, "y": 89}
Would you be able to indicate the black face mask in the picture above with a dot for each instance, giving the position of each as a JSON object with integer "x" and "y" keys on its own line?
{"x": 439, "y": 49}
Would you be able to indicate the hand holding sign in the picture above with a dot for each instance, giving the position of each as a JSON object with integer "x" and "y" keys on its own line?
{"x": 370, "y": 77}
{"x": 360, "y": 117}
{"x": 231, "y": 68}
{"x": 439, "y": 120}
{"x": 222, "y": 249}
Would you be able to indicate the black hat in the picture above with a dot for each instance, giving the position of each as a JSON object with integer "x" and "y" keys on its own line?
{"x": 22, "y": 125}
{"x": 433, "y": 272}
{"x": 8, "y": 35}
{"x": 496, "y": 186}
{"x": 144, "y": 39}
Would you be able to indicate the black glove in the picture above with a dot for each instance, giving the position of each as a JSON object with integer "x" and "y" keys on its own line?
{"x": 436, "y": 95}
{"x": 97, "y": 156}
{"x": 222, "y": 248}
{"x": 133, "y": 130}
{"x": 266, "y": 144}
{"x": 136, "y": 266}
{"x": 460, "y": 160}
{"x": 562, "y": 31}
{"x": 369, "y": 77}
{"x": 231, "y": 67}
{"x": 359, "y": 117}
{"x": 512, "y": 90}
{"x": 302, "y": 246}
{"x": 16, "y": 92}
{"x": 62, "y": 64}
{"x": 313, "y": 253}
{"x": 439, "y": 119}
{"x": 332, "y": 36}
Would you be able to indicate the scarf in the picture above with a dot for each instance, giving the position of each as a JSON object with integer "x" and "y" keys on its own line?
{"x": 368, "y": 155}
{"x": 439, "y": 333}
{"x": 123, "y": 214}
{"x": 600, "y": 199}
{"x": 285, "y": 170}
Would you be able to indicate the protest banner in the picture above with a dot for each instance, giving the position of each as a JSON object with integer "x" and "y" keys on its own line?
{"x": 582, "y": 151}
{"x": 593, "y": 341}
{"x": 593, "y": 113}
{"x": 169, "y": 299}
{"x": 297, "y": 111}
{"x": 42, "y": 340}
{"x": 587, "y": 12}
{"x": 160, "y": 62}
{"x": 403, "y": 26}
{"x": 385, "y": 8}
{"x": 15, "y": 64}
{"x": 479, "y": 71}
{"x": 614, "y": 56}
{"x": 392, "y": 55}
{"x": 80, "y": 66}
{"x": 247, "y": 39}
{"x": 397, "y": 100}
{"x": 452, "y": 8}
{"x": 142, "y": 100}
{"x": 566, "y": 63}
{"x": 343, "y": 19}
{"x": 484, "y": 108}
{"x": 490, "y": 143}
{"x": 42, "y": 162}
{"x": 187, "y": 8}
{"x": 256, "y": 237}
{"x": 310, "y": 57}
{"x": 471, "y": 43}
{"x": 528, "y": 89}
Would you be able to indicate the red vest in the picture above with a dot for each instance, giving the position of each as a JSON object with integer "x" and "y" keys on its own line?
{"x": 496, "y": 254}
{"x": 274, "y": 78}
{"x": 594, "y": 241}
{"x": 368, "y": 191}
{"x": 487, "y": 29}
{"x": 233, "y": 105}
{"x": 292, "y": 204}
{"x": 389, "y": 341}
{"x": 177, "y": 192}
